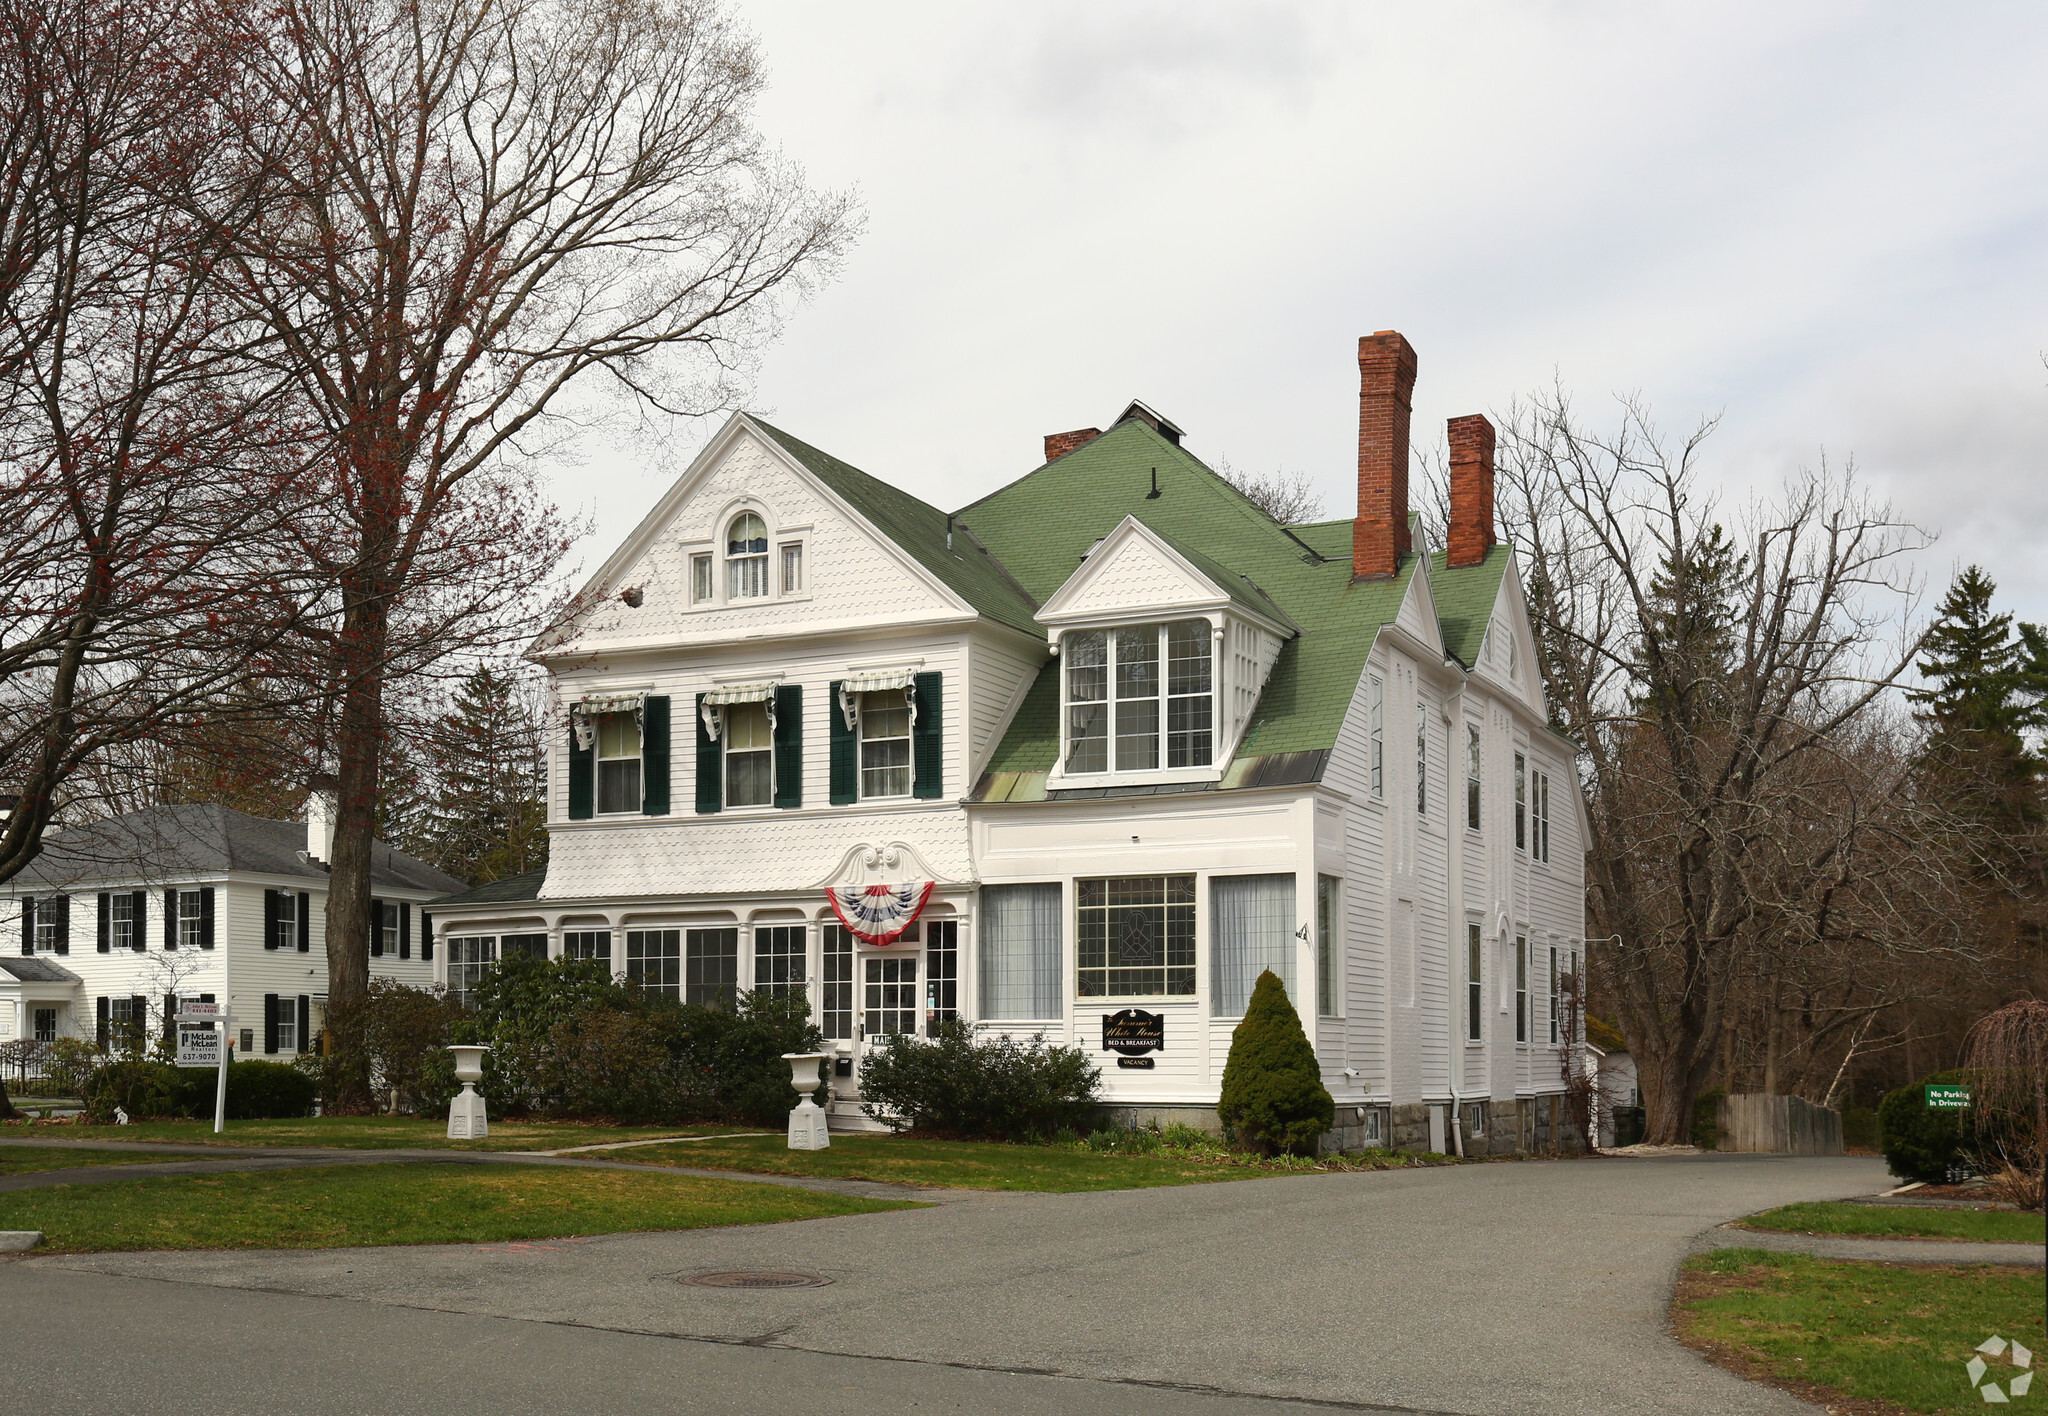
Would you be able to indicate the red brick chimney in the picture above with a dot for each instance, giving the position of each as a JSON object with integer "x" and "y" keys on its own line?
{"x": 1471, "y": 530}
{"x": 1058, "y": 445}
{"x": 1386, "y": 384}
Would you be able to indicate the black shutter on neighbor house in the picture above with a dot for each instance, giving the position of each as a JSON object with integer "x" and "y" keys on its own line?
{"x": 376, "y": 928}
{"x": 206, "y": 917}
{"x": 928, "y": 737}
{"x": 582, "y": 776}
{"x": 137, "y": 940}
{"x": 405, "y": 929}
{"x": 710, "y": 767}
{"x": 844, "y": 759}
{"x": 270, "y": 917}
{"x": 138, "y": 1018}
{"x": 304, "y": 1034}
{"x": 654, "y": 772}
{"x": 62, "y": 905}
{"x": 270, "y": 1022}
{"x": 305, "y": 922}
{"x": 170, "y": 919}
{"x": 102, "y": 1034}
{"x": 789, "y": 745}
{"x": 426, "y": 937}
{"x": 106, "y": 921}
{"x": 28, "y": 925}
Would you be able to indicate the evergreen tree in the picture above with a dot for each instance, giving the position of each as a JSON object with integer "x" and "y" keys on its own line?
{"x": 1980, "y": 682}
{"x": 1688, "y": 630}
{"x": 1273, "y": 1094}
{"x": 488, "y": 819}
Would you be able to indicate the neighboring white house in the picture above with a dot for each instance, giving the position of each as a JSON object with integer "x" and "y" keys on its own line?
{"x": 1110, "y": 741}
{"x": 118, "y": 919}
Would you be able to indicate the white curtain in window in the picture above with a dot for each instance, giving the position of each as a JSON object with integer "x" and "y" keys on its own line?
{"x": 1020, "y": 952}
{"x": 1251, "y": 929}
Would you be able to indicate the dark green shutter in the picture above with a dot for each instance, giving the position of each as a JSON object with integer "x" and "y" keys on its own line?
{"x": 305, "y": 1021}
{"x": 405, "y": 929}
{"x": 170, "y": 919}
{"x": 928, "y": 737}
{"x": 654, "y": 756}
{"x": 138, "y": 1019}
{"x": 789, "y": 745}
{"x": 710, "y": 768}
{"x": 62, "y": 905}
{"x": 845, "y": 752}
{"x": 376, "y": 928}
{"x": 270, "y": 918}
{"x": 582, "y": 776}
{"x": 426, "y": 937}
{"x": 206, "y": 917}
{"x": 28, "y": 925}
{"x": 139, "y": 903}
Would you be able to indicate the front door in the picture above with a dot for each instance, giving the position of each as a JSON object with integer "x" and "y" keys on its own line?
{"x": 889, "y": 1003}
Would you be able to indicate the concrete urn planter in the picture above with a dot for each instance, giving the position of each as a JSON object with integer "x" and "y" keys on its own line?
{"x": 466, "y": 1118}
{"x": 807, "y": 1121}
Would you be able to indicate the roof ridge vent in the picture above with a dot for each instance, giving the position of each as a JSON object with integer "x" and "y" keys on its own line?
{"x": 1151, "y": 418}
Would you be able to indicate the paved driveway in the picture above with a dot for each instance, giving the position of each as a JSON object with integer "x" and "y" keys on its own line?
{"x": 1533, "y": 1288}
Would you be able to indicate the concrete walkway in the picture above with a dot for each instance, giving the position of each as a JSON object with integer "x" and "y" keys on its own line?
{"x": 1890, "y": 1251}
{"x": 209, "y": 1160}
{"x": 1537, "y": 1288}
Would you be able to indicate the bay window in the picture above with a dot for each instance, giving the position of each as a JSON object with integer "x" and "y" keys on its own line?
{"x": 1137, "y": 937}
{"x": 1124, "y": 713}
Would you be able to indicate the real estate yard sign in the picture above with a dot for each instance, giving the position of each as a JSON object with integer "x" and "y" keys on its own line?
{"x": 198, "y": 1047}
{"x": 211, "y": 1034}
{"x": 1947, "y": 1098}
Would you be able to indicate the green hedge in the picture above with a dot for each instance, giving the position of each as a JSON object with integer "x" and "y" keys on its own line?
{"x": 1919, "y": 1144}
{"x": 991, "y": 1088}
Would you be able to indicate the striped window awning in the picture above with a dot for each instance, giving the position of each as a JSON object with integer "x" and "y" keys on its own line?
{"x": 875, "y": 681}
{"x": 717, "y": 698}
{"x": 584, "y": 712}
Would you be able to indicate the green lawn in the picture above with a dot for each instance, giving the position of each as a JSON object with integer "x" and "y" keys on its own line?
{"x": 330, "y": 1207}
{"x": 972, "y": 1165}
{"x": 1902, "y": 1222}
{"x": 360, "y": 1133}
{"x": 1879, "y": 1332}
{"x": 20, "y": 1160}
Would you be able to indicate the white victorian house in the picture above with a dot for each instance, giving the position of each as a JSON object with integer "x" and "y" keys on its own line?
{"x": 118, "y": 919}
{"x": 1104, "y": 744}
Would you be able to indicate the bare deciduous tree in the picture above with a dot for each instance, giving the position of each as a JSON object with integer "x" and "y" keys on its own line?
{"x": 1714, "y": 675}
{"x": 1290, "y": 498}
{"x": 488, "y": 202}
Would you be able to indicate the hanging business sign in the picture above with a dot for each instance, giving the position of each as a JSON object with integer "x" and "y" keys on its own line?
{"x": 1133, "y": 1033}
{"x": 198, "y": 1047}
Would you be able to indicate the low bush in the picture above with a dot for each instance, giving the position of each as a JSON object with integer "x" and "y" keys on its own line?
{"x": 405, "y": 1032}
{"x": 961, "y": 1086}
{"x": 133, "y": 1086}
{"x": 1859, "y": 1128}
{"x": 1273, "y": 1096}
{"x": 1706, "y": 1118}
{"x": 1923, "y": 1144}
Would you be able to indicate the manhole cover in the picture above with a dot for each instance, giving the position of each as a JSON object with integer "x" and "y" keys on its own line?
{"x": 758, "y": 1278}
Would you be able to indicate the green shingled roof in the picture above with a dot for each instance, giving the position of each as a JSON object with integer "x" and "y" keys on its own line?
{"x": 1041, "y": 525}
{"x": 1465, "y": 600}
{"x": 920, "y": 529}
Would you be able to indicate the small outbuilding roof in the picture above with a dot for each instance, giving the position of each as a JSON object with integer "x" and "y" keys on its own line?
{"x": 511, "y": 890}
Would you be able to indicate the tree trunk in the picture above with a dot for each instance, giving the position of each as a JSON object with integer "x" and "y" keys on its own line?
{"x": 358, "y": 753}
{"x": 7, "y": 1111}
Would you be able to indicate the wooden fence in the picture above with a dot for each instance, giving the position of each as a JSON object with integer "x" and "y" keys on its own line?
{"x": 1778, "y": 1125}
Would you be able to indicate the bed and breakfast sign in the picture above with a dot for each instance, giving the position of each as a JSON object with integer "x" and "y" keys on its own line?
{"x": 1133, "y": 1034}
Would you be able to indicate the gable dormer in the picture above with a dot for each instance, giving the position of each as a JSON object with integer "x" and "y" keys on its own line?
{"x": 1163, "y": 653}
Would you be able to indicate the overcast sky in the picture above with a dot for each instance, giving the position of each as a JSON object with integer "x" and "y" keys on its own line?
{"x": 1825, "y": 222}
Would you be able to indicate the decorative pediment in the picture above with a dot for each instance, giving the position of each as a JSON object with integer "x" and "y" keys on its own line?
{"x": 1133, "y": 573}
{"x": 882, "y": 863}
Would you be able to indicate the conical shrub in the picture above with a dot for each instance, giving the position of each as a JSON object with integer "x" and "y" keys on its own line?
{"x": 1273, "y": 1092}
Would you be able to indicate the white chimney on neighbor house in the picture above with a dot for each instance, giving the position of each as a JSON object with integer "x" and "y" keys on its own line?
{"x": 320, "y": 825}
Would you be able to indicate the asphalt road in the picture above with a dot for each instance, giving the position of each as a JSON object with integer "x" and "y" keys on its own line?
{"x": 1527, "y": 1288}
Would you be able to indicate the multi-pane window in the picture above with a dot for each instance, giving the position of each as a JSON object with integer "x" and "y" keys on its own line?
{"x": 1471, "y": 777}
{"x": 779, "y": 960}
{"x": 467, "y": 960}
{"x": 1539, "y": 792}
{"x": 587, "y": 944}
{"x": 749, "y": 755}
{"x": 1117, "y": 698}
{"x": 127, "y": 1025}
{"x": 523, "y": 946}
{"x": 46, "y": 1024}
{"x": 287, "y": 920}
{"x": 1326, "y": 945}
{"x": 1521, "y": 802}
{"x": 124, "y": 930}
{"x": 47, "y": 913}
{"x": 792, "y": 567}
{"x": 287, "y": 1024}
{"x": 885, "y": 743}
{"x": 384, "y": 929}
{"x": 1376, "y": 719}
{"x": 1421, "y": 759}
{"x": 889, "y": 1002}
{"x": 1521, "y": 988}
{"x": 941, "y": 974}
{"x": 1137, "y": 936}
{"x": 191, "y": 919}
{"x": 700, "y": 580}
{"x": 746, "y": 557}
{"x": 654, "y": 961}
{"x": 711, "y": 967}
{"x": 618, "y": 762}
{"x": 835, "y": 981}
{"x": 1474, "y": 1001}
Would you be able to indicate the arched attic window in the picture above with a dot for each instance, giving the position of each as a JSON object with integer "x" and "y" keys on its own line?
{"x": 746, "y": 557}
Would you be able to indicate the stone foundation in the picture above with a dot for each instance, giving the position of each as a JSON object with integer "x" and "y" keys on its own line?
{"x": 1135, "y": 1117}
